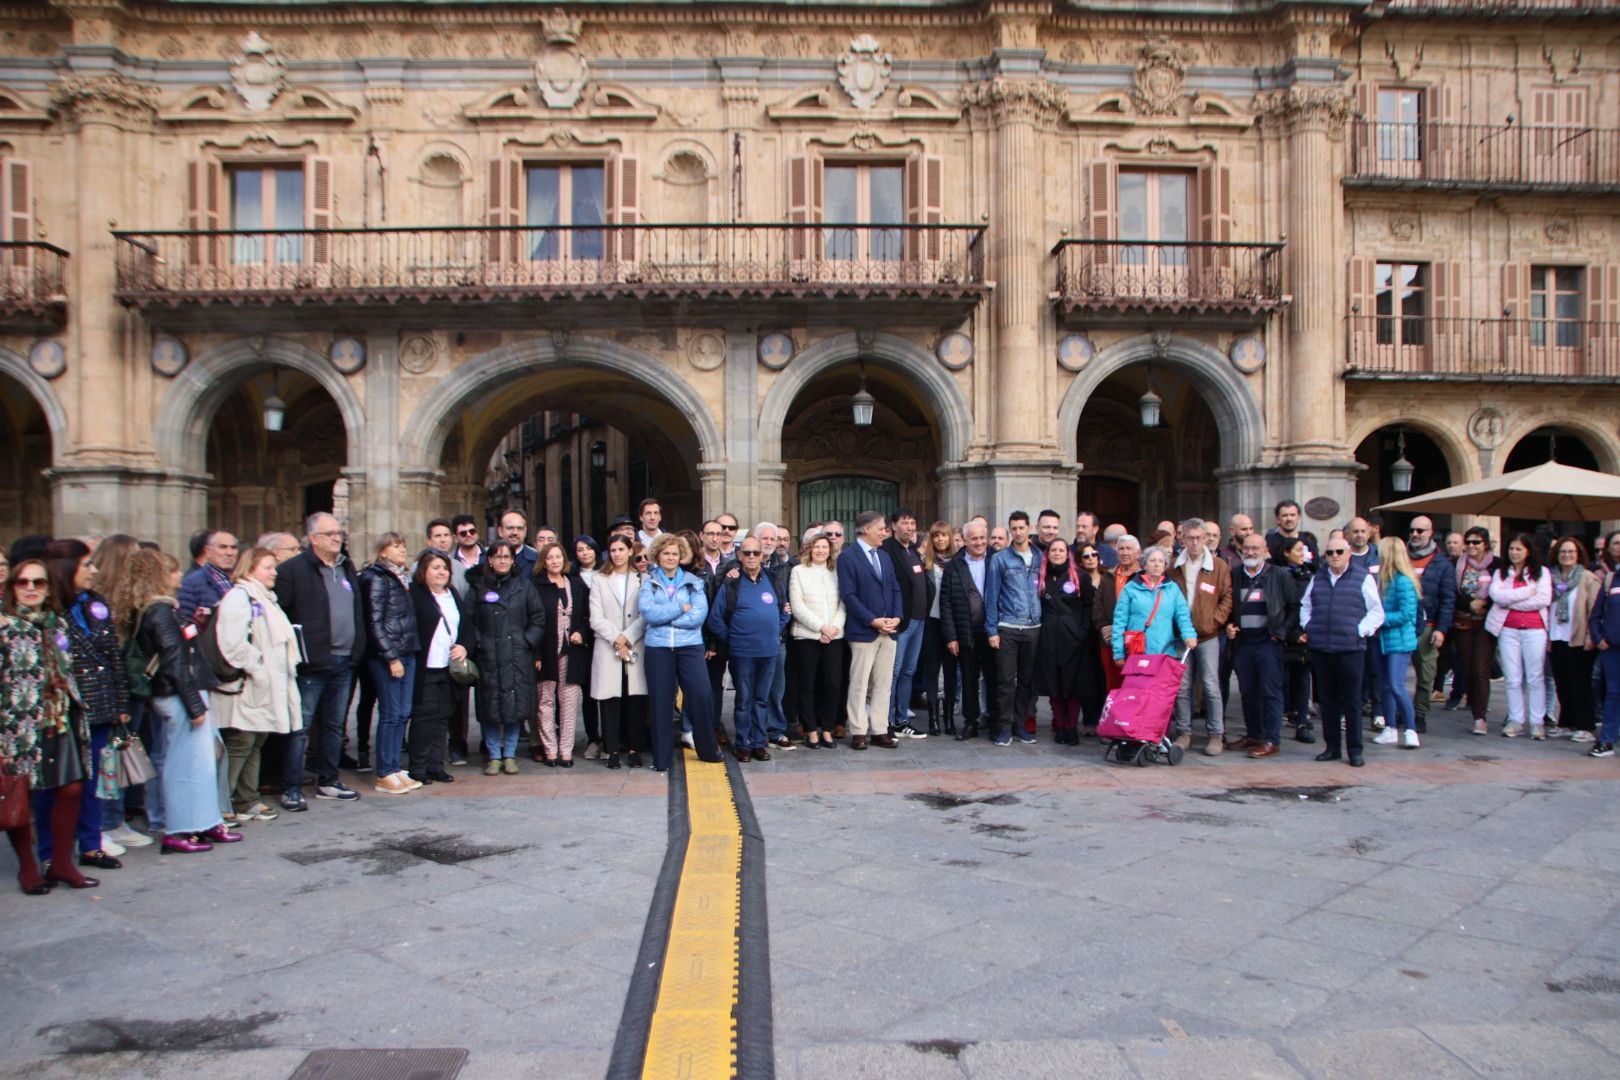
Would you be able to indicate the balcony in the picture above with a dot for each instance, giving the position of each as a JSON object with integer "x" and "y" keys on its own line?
{"x": 33, "y": 286}
{"x": 1425, "y": 349}
{"x": 1541, "y": 9}
{"x": 1482, "y": 157}
{"x": 1124, "y": 281}
{"x": 495, "y": 276}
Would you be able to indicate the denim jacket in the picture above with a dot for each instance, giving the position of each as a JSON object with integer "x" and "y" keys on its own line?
{"x": 1010, "y": 596}
{"x": 668, "y": 627}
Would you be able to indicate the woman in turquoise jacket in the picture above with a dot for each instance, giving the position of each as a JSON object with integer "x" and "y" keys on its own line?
{"x": 1399, "y": 588}
{"x": 1135, "y": 610}
{"x": 674, "y": 604}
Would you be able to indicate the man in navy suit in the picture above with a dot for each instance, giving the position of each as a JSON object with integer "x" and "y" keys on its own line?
{"x": 873, "y": 609}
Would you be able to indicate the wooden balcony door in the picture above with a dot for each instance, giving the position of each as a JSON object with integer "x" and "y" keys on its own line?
{"x": 1555, "y": 334}
{"x": 867, "y": 195}
{"x": 266, "y": 197}
{"x": 1155, "y": 207}
{"x": 565, "y": 195}
{"x": 1561, "y": 144}
{"x": 1399, "y": 140}
{"x": 1401, "y": 309}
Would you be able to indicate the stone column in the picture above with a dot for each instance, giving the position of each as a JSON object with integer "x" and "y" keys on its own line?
{"x": 741, "y": 406}
{"x": 381, "y": 437}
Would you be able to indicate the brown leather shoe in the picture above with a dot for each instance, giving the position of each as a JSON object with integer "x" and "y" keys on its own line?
{"x": 762, "y": 754}
{"x": 1265, "y": 750}
{"x": 857, "y": 742}
{"x": 1184, "y": 740}
{"x": 742, "y": 753}
{"x": 887, "y": 741}
{"x": 1214, "y": 747}
{"x": 838, "y": 731}
{"x": 1248, "y": 742}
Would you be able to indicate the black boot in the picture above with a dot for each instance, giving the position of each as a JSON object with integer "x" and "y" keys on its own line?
{"x": 933, "y": 717}
{"x": 949, "y": 717}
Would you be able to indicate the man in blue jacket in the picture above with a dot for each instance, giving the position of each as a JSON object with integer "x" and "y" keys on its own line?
{"x": 1439, "y": 598}
{"x": 1012, "y": 622}
{"x": 207, "y": 583}
{"x": 1605, "y": 629}
{"x": 748, "y": 613}
{"x": 872, "y": 604}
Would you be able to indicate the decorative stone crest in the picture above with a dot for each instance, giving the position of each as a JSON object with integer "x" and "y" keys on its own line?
{"x": 955, "y": 350}
{"x": 1161, "y": 78}
{"x": 348, "y": 355}
{"x": 257, "y": 73}
{"x": 776, "y": 350}
{"x": 1562, "y": 62}
{"x": 1322, "y": 508}
{"x": 418, "y": 353}
{"x": 1024, "y": 99}
{"x": 47, "y": 358}
{"x": 169, "y": 356}
{"x": 1402, "y": 226}
{"x": 1248, "y": 353}
{"x": 864, "y": 70}
{"x": 1560, "y": 230}
{"x": 706, "y": 351}
{"x": 1074, "y": 352}
{"x": 560, "y": 70}
{"x": 1487, "y": 427}
{"x": 1405, "y": 65}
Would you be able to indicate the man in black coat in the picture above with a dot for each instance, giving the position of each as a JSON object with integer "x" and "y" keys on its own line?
{"x": 320, "y": 594}
{"x": 961, "y": 620}
{"x": 1265, "y": 618}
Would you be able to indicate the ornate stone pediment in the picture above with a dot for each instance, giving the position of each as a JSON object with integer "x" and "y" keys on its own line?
{"x": 1159, "y": 87}
{"x": 16, "y": 108}
{"x": 216, "y": 105}
{"x": 913, "y": 105}
{"x": 257, "y": 73}
{"x": 865, "y": 140}
{"x": 864, "y": 70}
{"x": 612, "y": 101}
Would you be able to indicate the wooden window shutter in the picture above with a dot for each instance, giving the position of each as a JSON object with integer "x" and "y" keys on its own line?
{"x": 205, "y": 203}
{"x": 1603, "y": 320}
{"x": 17, "y": 226}
{"x": 1359, "y": 292}
{"x": 1446, "y": 351}
{"x": 1214, "y": 195}
{"x": 1516, "y": 291}
{"x": 628, "y": 204}
{"x": 503, "y": 207}
{"x": 1438, "y": 138}
{"x": 924, "y": 181}
{"x": 1102, "y": 184}
{"x": 1363, "y": 161}
{"x": 804, "y": 206}
{"x": 318, "y": 207}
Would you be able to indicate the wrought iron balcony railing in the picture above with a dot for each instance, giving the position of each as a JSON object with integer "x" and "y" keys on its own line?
{"x": 1483, "y": 156}
{"x": 1194, "y": 277}
{"x": 1542, "y": 8}
{"x": 395, "y": 265}
{"x": 1423, "y": 347}
{"x": 33, "y": 282}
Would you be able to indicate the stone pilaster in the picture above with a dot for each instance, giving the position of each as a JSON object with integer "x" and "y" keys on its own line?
{"x": 741, "y": 404}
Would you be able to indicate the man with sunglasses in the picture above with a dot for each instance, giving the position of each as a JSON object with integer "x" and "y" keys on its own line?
{"x": 747, "y": 613}
{"x": 1340, "y": 610}
{"x": 728, "y": 527}
{"x": 468, "y": 551}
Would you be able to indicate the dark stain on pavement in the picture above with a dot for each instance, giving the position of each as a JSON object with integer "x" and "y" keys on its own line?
{"x": 950, "y": 1048}
{"x": 940, "y": 800}
{"x": 1326, "y": 793}
{"x": 400, "y": 853}
{"x": 1189, "y": 817}
{"x": 1477, "y": 758}
{"x": 108, "y": 1035}
{"x": 966, "y": 864}
{"x": 998, "y": 830}
{"x": 1362, "y": 845}
{"x": 1587, "y": 984}
{"x": 1413, "y": 973}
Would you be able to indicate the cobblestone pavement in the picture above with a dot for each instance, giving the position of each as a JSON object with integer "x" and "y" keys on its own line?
{"x": 942, "y": 910}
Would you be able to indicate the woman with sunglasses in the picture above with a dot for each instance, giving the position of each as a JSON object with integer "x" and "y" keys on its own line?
{"x": 1476, "y": 645}
{"x": 42, "y": 732}
{"x": 507, "y": 626}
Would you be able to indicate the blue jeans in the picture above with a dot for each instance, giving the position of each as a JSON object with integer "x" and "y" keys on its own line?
{"x": 393, "y": 712}
{"x": 156, "y": 738}
{"x": 1609, "y": 663}
{"x": 1397, "y": 703}
{"x": 1259, "y": 667}
{"x": 907, "y": 648}
{"x": 776, "y": 716}
{"x": 751, "y": 677}
{"x": 500, "y": 740}
{"x": 325, "y": 697}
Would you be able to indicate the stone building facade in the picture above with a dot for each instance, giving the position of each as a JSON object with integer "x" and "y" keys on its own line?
{"x": 557, "y": 255}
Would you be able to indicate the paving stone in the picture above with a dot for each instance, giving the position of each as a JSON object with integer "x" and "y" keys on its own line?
{"x": 1188, "y": 1059}
{"x": 886, "y": 1061}
{"x": 1046, "y": 1059}
{"x": 1386, "y": 1052}
{"x": 1524, "y": 1050}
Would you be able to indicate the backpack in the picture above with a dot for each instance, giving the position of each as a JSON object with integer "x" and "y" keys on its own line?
{"x": 208, "y": 646}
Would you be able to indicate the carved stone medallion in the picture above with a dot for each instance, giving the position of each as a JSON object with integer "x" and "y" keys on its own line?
{"x": 348, "y": 355}
{"x": 1559, "y": 230}
{"x": 1487, "y": 427}
{"x": 257, "y": 73}
{"x": 1248, "y": 354}
{"x": 1074, "y": 352}
{"x": 776, "y": 350}
{"x": 955, "y": 350}
{"x": 418, "y": 353}
{"x": 560, "y": 70}
{"x": 706, "y": 351}
{"x": 1161, "y": 78}
{"x": 169, "y": 356}
{"x": 47, "y": 358}
{"x": 1322, "y": 508}
{"x": 863, "y": 71}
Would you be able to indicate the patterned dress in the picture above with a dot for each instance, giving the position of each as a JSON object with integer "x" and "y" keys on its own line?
{"x": 41, "y": 727}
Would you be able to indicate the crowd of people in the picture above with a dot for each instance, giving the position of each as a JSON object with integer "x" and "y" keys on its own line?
{"x": 206, "y": 696}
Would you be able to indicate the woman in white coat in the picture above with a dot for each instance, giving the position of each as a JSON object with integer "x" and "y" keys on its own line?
{"x": 816, "y": 652}
{"x": 618, "y": 678}
{"x": 254, "y": 635}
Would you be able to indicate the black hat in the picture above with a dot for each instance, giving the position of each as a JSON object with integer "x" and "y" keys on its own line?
{"x": 622, "y": 519}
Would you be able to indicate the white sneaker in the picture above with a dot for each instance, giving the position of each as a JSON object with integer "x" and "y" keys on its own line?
{"x": 1558, "y": 731}
{"x": 1388, "y": 737}
{"x": 686, "y": 739}
{"x": 1512, "y": 731}
{"x": 1409, "y": 739}
{"x": 1378, "y": 723}
{"x": 1582, "y": 737}
{"x": 1538, "y": 733}
{"x": 110, "y": 846}
{"x": 411, "y": 784}
{"x": 130, "y": 838}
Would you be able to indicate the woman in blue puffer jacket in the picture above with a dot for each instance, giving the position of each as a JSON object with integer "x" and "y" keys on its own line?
{"x": 674, "y": 604}
{"x": 1399, "y": 588}
{"x": 1156, "y": 606}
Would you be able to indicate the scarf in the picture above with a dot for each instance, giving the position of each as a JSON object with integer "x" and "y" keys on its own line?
{"x": 403, "y": 573}
{"x": 1469, "y": 573}
{"x": 1563, "y": 585}
{"x": 57, "y": 687}
{"x": 263, "y": 605}
{"x": 1422, "y": 552}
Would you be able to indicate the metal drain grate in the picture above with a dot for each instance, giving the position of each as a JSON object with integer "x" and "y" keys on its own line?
{"x": 381, "y": 1065}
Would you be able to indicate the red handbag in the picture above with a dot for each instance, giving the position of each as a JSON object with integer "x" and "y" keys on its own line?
{"x": 1136, "y": 640}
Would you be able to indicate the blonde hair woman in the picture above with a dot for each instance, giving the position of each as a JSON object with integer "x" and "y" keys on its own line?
{"x": 1399, "y": 587}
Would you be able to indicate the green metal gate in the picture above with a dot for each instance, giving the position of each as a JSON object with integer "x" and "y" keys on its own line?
{"x": 840, "y": 498}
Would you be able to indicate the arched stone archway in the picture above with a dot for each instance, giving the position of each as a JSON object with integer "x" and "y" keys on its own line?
{"x": 33, "y": 429}
{"x": 1461, "y": 458}
{"x": 1602, "y": 443}
{"x": 480, "y": 380}
{"x": 1238, "y": 416}
{"x": 16, "y": 367}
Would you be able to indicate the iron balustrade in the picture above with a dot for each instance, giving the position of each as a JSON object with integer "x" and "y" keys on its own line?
{"x": 1499, "y": 7}
{"x": 1425, "y": 347}
{"x": 1189, "y": 276}
{"x": 33, "y": 278}
{"x": 387, "y": 265}
{"x": 1484, "y": 155}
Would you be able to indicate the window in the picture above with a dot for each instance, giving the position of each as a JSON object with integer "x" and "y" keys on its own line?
{"x": 1555, "y": 306}
{"x": 1401, "y": 302}
{"x": 1155, "y": 206}
{"x": 267, "y": 197}
{"x": 565, "y": 195}
{"x": 1400, "y": 125}
{"x": 864, "y": 194}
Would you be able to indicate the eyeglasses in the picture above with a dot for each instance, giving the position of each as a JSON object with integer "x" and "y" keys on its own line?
{"x": 1473, "y": 540}
{"x": 750, "y": 554}
{"x": 1418, "y": 530}
{"x": 466, "y": 532}
{"x": 1337, "y": 551}
{"x": 1088, "y": 555}
{"x": 835, "y": 535}
{"x": 332, "y": 534}
{"x": 32, "y": 582}
{"x": 711, "y": 532}
{"x": 639, "y": 558}
{"x": 729, "y": 528}
{"x": 501, "y": 556}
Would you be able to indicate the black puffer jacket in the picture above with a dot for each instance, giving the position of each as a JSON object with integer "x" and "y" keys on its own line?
{"x": 507, "y": 624}
{"x": 98, "y": 660}
{"x": 180, "y": 669}
{"x": 390, "y": 615}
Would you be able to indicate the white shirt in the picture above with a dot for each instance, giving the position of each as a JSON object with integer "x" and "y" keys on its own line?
{"x": 976, "y": 571}
{"x": 444, "y": 636}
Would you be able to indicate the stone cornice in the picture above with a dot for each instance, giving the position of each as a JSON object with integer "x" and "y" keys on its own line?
{"x": 1032, "y": 100}
{"x": 112, "y": 98}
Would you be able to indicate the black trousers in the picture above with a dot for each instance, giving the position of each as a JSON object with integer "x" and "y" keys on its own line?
{"x": 365, "y": 714}
{"x": 593, "y": 721}
{"x": 818, "y": 671}
{"x": 1572, "y": 678}
{"x": 717, "y": 687}
{"x": 430, "y": 719}
{"x": 1338, "y": 680}
{"x": 1015, "y": 675}
{"x": 624, "y": 723}
{"x": 977, "y": 660}
{"x": 936, "y": 658}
